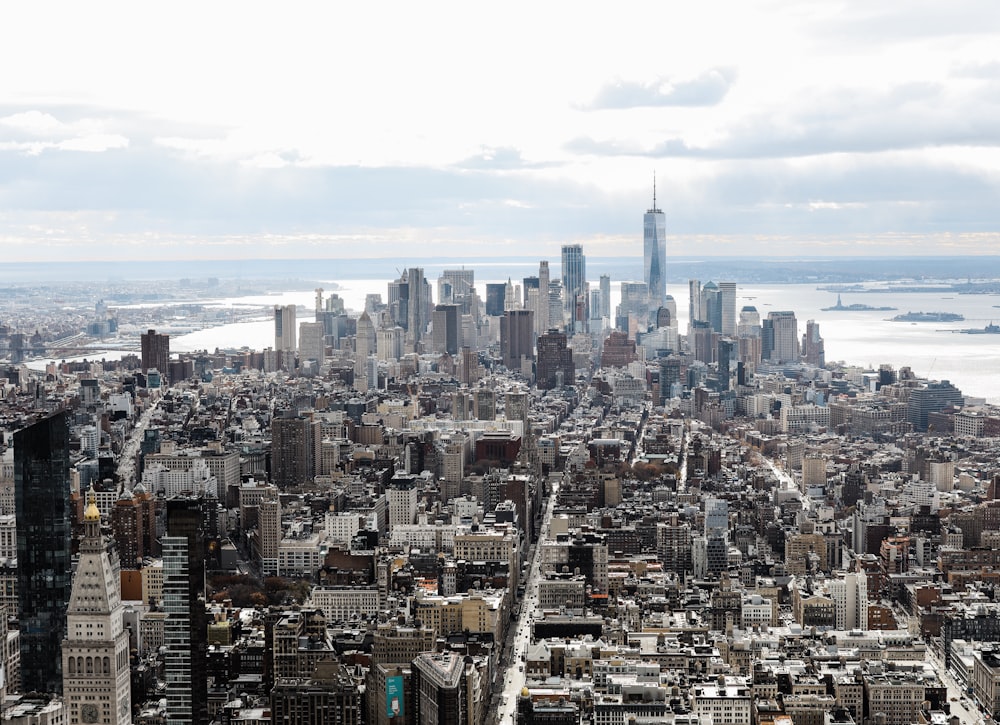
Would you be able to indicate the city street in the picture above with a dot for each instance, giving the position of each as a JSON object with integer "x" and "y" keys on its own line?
{"x": 961, "y": 705}
{"x": 514, "y": 678}
{"x": 126, "y": 461}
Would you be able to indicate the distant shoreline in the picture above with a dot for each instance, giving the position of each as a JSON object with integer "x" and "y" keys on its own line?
{"x": 916, "y": 271}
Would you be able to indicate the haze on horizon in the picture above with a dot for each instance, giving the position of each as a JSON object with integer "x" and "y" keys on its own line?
{"x": 334, "y": 131}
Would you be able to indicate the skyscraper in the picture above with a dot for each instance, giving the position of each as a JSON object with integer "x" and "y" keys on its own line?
{"x": 812, "y": 345}
{"x": 41, "y": 501}
{"x": 574, "y": 279}
{"x": 517, "y": 334}
{"x": 155, "y": 352}
{"x": 694, "y": 302}
{"x": 185, "y": 634}
{"x": 284, "y": 335}
{"x": 311, "y": 344}
{"x": 496, "y": 298}
{"x": 781, "y": 337}
{"x": 654, "y": 252}
{"x": 133, "y": 525}
{"x": 542, "y": 313}
{"x": 446, "y": 329}
{"x": 95, "y": 653}
{"x": 418, "y": 308}
{"x": 555, "y": 361}
{"x": 727, "y": 308}
{"x": 456, "y": 286}
{"x": 296, "y": 444}
{"x": 364, "y": 343}
{"x": 606, "y": 296}
{"x": 711, "y": 309}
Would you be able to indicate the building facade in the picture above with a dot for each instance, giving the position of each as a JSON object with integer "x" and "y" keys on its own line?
{"x": 42, "y": 505}
{"x": 95, "y": 653}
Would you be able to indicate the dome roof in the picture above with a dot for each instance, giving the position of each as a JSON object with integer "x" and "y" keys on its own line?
{"x": 91, "y": 513}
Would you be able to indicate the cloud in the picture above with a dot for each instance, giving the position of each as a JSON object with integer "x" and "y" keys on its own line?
{"x": 906, "y": 116}
{"x": 33, "y": 122}
{"x": 707, "y": 89}
{"x": 864, "y": 24}
{"x": 499, "y": 158}
{"x": 33, "y": 132}
{"x": 94, "y": 143}
{"x": 989, "y": 71}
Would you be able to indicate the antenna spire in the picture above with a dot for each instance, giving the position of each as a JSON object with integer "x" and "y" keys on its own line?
{"x": 654, "y": 188}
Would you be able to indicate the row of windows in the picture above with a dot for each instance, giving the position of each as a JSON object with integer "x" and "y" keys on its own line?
{"x": 89, "y": 665}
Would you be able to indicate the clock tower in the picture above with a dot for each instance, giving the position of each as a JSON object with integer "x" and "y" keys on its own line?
{"x": 95, "y": 653}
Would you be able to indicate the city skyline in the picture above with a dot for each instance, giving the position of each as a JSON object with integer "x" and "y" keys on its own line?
{"x": 773, "y": 128}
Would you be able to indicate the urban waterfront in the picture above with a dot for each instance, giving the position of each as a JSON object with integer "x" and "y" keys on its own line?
{"x": 857, "y": 338}
{"x": 410, "y": 494}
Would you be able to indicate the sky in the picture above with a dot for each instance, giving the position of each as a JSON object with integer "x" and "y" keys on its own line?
{"x": 331, "y": 130}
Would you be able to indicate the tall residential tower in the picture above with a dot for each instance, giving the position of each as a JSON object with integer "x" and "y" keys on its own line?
{"x": 574, "y": 280}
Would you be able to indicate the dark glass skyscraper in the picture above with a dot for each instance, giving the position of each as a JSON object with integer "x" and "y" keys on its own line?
{"x": 41, "y": 492}
{"x": 185, "y": 628}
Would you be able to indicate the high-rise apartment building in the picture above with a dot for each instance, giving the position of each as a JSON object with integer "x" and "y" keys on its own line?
{"x": 269, "y": 532}
{"x": 185, "y": 628}
{"x": 574, "y": 281}
{"x": 654, "y": 253}
{"x": 95, "y": 653}
{"x": 155, "y": 352}
{"x": 42, "y": 511}
{"x": 296, "y": 449}
{"x": 133, "y": 525}
{"x": 555, "y": 361}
